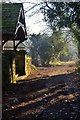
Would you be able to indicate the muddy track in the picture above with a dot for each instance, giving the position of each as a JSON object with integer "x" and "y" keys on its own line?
{"x": 47, "y": 94}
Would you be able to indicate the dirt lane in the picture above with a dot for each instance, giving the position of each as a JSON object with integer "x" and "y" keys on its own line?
{"x": 47, "y": 94}
{"x": 49, "y": 71}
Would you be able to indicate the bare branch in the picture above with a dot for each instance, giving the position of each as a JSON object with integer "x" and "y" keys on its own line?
{"x": 31, "y": 8}
{"x": 48, "y": 6}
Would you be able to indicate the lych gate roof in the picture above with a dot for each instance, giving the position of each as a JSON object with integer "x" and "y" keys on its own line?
{"x": 10, "y": 13}
{"x": 13, "y": 22}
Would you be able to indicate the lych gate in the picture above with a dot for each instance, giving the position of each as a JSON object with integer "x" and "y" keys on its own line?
{"x": 13, "y": 34}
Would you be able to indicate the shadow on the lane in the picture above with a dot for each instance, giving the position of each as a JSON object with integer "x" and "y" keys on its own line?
{"x": 46, "y": 92}
{"x": 25, "y": 86}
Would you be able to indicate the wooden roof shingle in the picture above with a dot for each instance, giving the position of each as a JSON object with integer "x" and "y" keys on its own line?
{"x": 10, "y": 14}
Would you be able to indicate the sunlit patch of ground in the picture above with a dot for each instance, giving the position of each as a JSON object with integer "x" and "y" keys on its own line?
{"x": 50, "y": 71}
{"x": 63, "y": 63}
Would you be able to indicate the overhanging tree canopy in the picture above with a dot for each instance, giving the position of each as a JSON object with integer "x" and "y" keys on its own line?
{"x": 62, "y": 14}
{"x": 59, "y": 15}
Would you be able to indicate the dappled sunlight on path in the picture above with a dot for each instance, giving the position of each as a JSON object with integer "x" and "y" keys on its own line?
{"x": 51, "y": 95}
{"x": 48, "y": 71}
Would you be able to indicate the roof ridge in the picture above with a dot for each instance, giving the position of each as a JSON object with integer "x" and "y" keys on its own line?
{"x": 12, "y": 3}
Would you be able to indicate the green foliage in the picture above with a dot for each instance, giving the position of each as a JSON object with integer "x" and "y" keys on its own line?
{"x": 59, "y": 46}
{"x": 62, "y": 14}
{"x": 59, "y": 15}
{"x": 76, "y": 30}
{"x": 41, "y": 49}
{"x": 44, "y": 48}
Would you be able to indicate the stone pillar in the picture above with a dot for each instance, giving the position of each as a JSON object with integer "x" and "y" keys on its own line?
{"x": 28, "y": 63}
{"x": 14, "y": 75}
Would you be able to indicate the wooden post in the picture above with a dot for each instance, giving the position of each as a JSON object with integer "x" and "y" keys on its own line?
{"x": 14, "y": 47}
{"x": 14, "y": 76}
